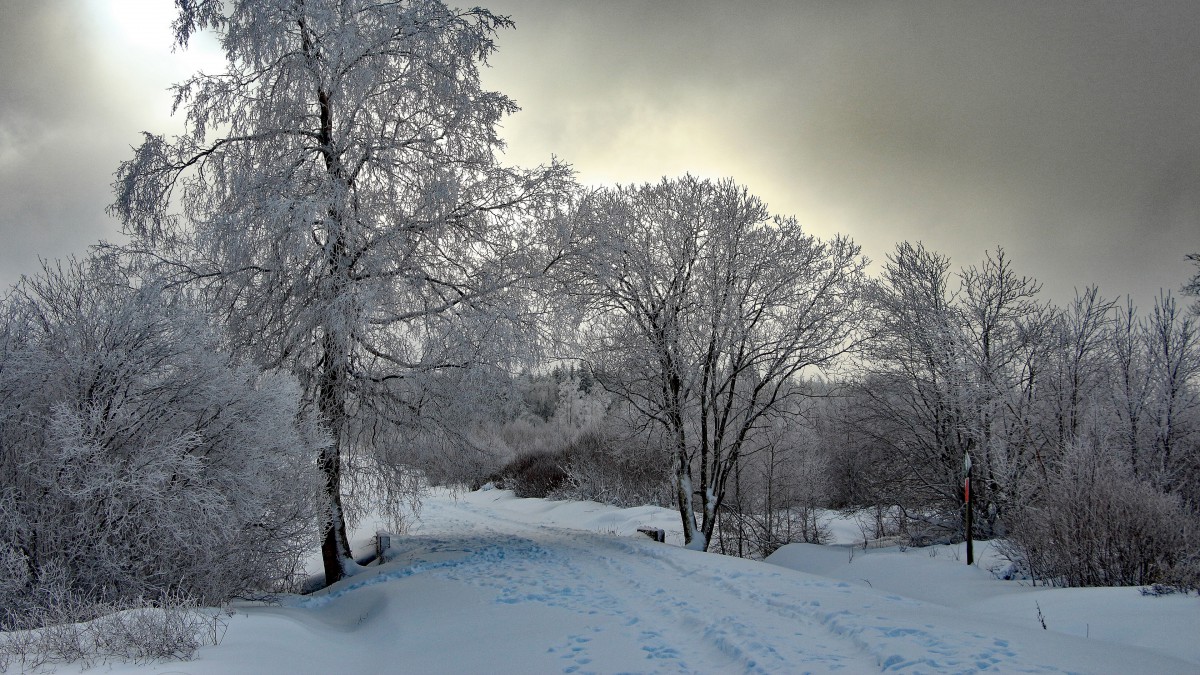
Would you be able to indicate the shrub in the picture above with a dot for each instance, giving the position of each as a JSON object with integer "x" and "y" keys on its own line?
{"x": 1094, "y": 523}
{"x": 597, "y": 465}
{"x": 535, "y": 474}
{"x": 609, "y": 469}
{"x": 67, "y": 628}
{"x": 138, "y": 460}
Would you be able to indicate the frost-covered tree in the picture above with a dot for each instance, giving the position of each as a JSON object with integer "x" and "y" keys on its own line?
{"x": 137, "y": 459}
{"x": 983, "y": 368}
{"x": 1173, "y": 351}
{"x": 1079, "y": 360}
{"x": 340, "y": 203}
{"x": 1192, "y": 287}
{"x": 954, "y": 371}
{"x": 1130, "y": 378}
{"x": 703, "y": 312}
{"x": 913, "y": 399}
{"x": 1007, "y": 333}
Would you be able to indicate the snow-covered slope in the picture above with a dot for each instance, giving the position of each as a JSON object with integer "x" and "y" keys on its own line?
{"x": 492, "y": 584}
{"x": 1168, "y": 625}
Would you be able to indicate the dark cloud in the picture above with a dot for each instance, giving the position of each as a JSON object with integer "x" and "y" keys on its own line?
{"x": 76, "y": 94}
{"x": 1066, "y": 132}
{"x": 55, "y": 157}
{"x": 1063, "y": 131}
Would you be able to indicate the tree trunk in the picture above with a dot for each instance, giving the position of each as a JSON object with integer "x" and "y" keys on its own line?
{"x": 683, "y": 498}
{"x": 335, "y": 549}
{"x": 710, "y": 503}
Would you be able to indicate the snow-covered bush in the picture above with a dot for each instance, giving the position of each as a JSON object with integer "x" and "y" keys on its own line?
{"x": 1095, "y": 524}
{"x": 611, "y": 468}
{"x": 605, "y": 463}
{"x": 78, "y": 630}
{"x": 138, "y": 460}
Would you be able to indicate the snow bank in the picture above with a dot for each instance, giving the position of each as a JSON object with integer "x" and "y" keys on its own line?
{"x": 487, "y": 583}
{"x": 938, "y": 574}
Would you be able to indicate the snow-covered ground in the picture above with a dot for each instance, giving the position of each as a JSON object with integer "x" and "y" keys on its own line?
{"x": 487, "y": 583}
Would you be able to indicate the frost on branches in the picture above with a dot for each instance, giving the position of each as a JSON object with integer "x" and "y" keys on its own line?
{"x": 138, "y": 461}
{"x": 341, "y": 205}
{"x": 704, "y": 313}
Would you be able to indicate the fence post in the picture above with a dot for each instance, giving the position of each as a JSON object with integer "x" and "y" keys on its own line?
{"x": 383, "y": 542}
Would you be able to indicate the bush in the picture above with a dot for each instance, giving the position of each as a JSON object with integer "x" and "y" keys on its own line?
{"x": 138, "y": 460}
{"x": 609, "y": 469}
{"x": 596, "y": 465}
{"x": 1094, "y": 523}
{"x": 72, "y": 629}
{"x": 535, "y": 474}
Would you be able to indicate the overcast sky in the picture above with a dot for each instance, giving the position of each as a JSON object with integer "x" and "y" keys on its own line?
{"x": 1066, "y": 132}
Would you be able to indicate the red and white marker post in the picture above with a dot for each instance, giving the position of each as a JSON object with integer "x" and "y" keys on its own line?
{"x": 967, "y": 505}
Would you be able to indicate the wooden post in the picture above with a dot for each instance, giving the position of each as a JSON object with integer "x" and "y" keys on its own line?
{"x": 655, "y": 533}
{"x": 967, "y": 504}
{"x": 383, "y": 542}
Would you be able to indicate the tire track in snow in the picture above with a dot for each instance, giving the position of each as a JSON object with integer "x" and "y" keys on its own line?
{"x": 675, "y": 620}
{"x": 559, "y": 585}
{"x": 855, "y": 639}
{"x": 787, "y": 641}
{"x": 892, "y": 648}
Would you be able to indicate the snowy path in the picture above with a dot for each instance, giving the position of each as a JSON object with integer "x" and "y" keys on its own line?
{"x": 651, "y": 608}
{"x": 484, "y": 586}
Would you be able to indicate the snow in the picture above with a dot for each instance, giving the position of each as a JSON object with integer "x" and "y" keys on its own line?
{"x": 937, "y": 575}
{"x": 490, "y": 583}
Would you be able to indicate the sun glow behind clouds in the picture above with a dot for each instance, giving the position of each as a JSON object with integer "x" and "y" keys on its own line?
{"x": 135, "y": 54}
{"x": 143, "y": 25}
{"x": 140, "y": 30}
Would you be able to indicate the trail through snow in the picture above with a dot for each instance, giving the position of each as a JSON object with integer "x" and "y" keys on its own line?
{"x": 491, "y": 584}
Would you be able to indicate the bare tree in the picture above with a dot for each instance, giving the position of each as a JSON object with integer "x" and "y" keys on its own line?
{"x": 704, "y": 310}
{"x": 1192, "y": 287}
{"x": 1007, "y": 330}
{"x": 1130, "y": 383}
{"x": 342, "y": 205}
{"x": 1079, "y": 361}
{"x": 1024, "y": 390}
{"x": 1173, "y": 349}
{"x": 914, "y": 399}
{"x": 954, "y": 374}
{"x": 778, "y": 489}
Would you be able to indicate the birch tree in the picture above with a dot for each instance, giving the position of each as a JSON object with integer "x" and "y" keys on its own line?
{"x": 706, "y": 310}
{"x": 337, "y": 197}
